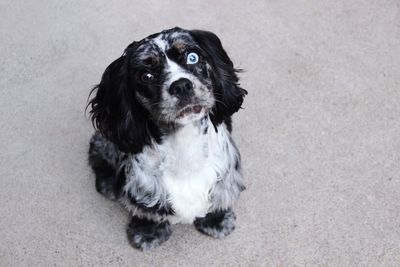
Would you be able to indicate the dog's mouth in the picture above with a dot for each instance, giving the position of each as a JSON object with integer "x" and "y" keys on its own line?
{"x": 190, "y": 110}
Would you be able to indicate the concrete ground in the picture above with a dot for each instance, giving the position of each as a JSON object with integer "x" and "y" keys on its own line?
{"x": 319, "y": 134}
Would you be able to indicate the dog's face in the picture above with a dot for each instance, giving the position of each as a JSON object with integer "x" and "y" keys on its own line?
{"x": 172, "y": 75}
{"x": 169, "y": 78}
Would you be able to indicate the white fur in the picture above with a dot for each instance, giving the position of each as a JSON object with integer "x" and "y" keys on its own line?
{"x": 188, "y": 176}
{"x": 162, "y": 44}
{"x": 176, "y": 72}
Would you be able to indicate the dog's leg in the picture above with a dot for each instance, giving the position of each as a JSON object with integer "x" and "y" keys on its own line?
{"x": 146, "y": 234}
{"x": 216, "y": 224}
{"x": 103, "y": 158}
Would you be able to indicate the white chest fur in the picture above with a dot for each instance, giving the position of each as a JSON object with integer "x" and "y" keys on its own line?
{"x": 188, "y": 172}
{"x": 183, "y": 170}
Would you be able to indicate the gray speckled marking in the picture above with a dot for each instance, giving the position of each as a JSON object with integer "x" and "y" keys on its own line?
{"x": 224, "y": 228}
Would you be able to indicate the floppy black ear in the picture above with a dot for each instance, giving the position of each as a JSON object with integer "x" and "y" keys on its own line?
{"x": 228, "y": 90}
{"x": 115, "y": 111}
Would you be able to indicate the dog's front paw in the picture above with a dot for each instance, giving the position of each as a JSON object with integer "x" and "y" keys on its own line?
{"x": 145, "y": 234}
{"x": 216, "y": 224}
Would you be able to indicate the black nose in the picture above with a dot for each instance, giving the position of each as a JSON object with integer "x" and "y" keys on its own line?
{"x": 181, "y": 87}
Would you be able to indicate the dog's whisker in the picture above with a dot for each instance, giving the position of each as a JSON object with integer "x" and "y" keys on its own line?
{"x": 219, "y": 101}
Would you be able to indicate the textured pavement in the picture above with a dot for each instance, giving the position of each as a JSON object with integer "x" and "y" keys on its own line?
{"x": 319, "y": 133}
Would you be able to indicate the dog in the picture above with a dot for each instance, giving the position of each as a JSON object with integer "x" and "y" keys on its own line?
{"x": 163, "y": 145}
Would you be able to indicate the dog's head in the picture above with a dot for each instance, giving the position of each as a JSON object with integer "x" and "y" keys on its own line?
{"x": 169, "y": 78}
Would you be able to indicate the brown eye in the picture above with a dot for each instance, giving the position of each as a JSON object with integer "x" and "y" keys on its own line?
{"x": 147, "y": 77}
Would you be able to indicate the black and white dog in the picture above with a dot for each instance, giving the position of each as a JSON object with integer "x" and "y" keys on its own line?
{"x": 163, "y": 146}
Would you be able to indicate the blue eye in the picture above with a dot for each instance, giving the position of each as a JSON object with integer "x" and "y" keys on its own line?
{"x": 192, "y": 58}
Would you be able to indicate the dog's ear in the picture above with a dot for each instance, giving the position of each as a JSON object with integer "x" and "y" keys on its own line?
{"x": 229, "y": 94}
{"x": 115, "y": 111}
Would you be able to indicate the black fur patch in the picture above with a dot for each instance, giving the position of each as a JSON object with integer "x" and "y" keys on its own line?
{"x": 103, "y": 158}
{"x": 144, "y": 234}
{"x": 227, "y": 91}
{"x": 217, "y": 224}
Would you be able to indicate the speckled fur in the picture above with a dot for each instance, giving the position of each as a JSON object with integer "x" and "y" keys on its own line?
{"x": 217, "y": 224}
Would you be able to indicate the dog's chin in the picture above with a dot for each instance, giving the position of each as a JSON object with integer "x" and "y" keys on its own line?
{"x": 190, "y": 114}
